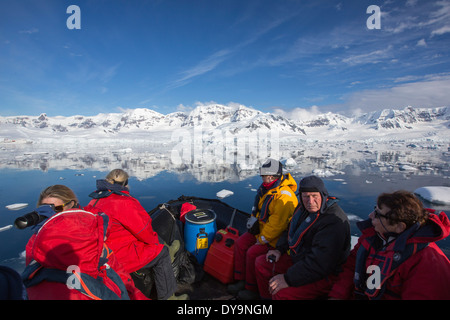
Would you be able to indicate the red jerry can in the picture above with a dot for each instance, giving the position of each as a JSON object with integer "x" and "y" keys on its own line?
{"x": 220, "y": 257}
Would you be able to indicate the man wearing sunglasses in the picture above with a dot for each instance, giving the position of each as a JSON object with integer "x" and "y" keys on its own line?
{"x": 396, "y": 256}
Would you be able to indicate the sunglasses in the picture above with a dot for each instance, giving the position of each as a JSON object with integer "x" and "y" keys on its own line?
{"x": 378, "y": 214}
{"x": 59, "y": 208}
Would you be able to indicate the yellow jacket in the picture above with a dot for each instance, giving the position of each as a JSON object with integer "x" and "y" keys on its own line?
{"x": 275, "y": 209}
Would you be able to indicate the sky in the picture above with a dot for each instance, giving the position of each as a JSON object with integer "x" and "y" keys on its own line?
{"x": 290, "y": 57}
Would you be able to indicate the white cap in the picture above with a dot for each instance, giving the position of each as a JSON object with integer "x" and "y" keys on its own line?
{"x": 271, "y": 167}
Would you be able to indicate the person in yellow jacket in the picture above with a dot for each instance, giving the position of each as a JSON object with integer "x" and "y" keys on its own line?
{"x": 274, "y": 205}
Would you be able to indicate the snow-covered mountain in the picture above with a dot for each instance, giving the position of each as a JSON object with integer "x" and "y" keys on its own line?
{"x": 235, "y": 119}
{"x": 406, "y": 118}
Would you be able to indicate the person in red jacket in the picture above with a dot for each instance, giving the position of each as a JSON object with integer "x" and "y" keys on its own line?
{"x": 66, "y": 257}
{"x": 396, "y": 256}
{"x": 132, "y": 238}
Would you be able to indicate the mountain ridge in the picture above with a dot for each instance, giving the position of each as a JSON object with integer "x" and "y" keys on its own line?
{"x": 236, "y": 119}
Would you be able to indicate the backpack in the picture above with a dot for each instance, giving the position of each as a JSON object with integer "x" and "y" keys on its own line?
{"x": 69, "y": 248}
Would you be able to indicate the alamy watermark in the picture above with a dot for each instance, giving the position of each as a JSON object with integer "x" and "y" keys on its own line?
{"x": 374, "y": 280}
{"x": 199, "y": 146}
{"x": 374, "y": 21}
{"x": 72, "y": 281}
{"x": 74, "y": 20}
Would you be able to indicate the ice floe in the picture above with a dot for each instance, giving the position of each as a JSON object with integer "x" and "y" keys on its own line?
{"x": 5, "y": 228}
{"x": 434, "y": 194}
{"x": 16, "y": 206}
{"x": 224, "y": 193}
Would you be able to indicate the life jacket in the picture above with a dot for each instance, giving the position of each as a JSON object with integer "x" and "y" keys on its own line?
{"x": 268, "y": 195}
{"x": 301, "y": 222}
{"x": 105, "y": 189}
{"x": 132, "y": 238}
{"x": 264, "y": 211}
{"x": 387, "y": 260}
{"x": 69, "y": 248}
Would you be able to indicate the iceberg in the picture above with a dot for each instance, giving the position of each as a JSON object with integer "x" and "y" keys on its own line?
{"x": 224, "y": 193}
{"x": 16, "y": 206}
{"x": 6, "y": 228}
{"x": 434, "y": 194}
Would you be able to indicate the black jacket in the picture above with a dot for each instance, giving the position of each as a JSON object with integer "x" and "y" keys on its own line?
{"x": 324, "y": 246}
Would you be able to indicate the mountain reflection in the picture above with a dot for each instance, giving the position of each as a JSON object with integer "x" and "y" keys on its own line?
{"x": 145, "y": 160}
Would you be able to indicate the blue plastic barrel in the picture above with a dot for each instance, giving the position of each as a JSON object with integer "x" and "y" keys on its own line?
{"x": 199, "y": 231}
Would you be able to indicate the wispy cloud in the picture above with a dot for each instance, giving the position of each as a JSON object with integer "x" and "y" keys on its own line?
{"x": 29, "y": 31}
{"x": 211, "y": 62}
{"x": 204, "y": 66}
{"x": 440, "y": 31}
{"x": 372, "y": 57}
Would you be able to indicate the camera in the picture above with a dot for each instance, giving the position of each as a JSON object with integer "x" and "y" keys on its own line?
{"x": 29, "y": 220}
{"x": 35, "y": 217}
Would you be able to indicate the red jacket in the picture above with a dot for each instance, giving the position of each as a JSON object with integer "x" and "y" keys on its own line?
{"x": 424, "y": 275}
{"x": 74, "y": 238}
{"x": 131, "y": 236}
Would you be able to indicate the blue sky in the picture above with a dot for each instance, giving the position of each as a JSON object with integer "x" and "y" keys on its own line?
{"x": 283, "y": 56}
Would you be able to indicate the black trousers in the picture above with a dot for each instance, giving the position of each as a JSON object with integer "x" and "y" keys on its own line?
{"x": 161, "y": 270}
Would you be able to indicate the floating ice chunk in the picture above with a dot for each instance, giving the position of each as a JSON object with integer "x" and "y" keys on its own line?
{"x": 16, "y": 206}
{"x": 290, "y": 163}
{"x": 406, "y": 167}
{"x": 354, "y": 217}
{"x": 6, "y": 228}
{"x": 325, "y": 172}
{"x": 224, "y": 193}
{"x": 244, "y": 166}
{"x": 438, "y": 194}
{"x": 322, "y": 173}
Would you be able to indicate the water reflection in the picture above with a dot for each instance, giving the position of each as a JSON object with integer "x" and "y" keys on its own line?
{"x": 145, "y": 160}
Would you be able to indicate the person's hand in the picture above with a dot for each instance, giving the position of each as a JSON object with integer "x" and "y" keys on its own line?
{"x": 277, "y": 283}
{"x": 275, "y": 253}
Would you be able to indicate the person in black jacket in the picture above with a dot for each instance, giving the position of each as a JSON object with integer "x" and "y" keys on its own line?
{"x": 311, "y": 252}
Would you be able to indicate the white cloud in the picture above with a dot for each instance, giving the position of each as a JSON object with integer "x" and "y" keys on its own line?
{"x": 375, "y": 56}
{"x": 441, "y": 31}
{"x": 213, "y": 61}
{"x": 29, "y": 31}
{"x": 421, "y": 43}
{"x": 182, "y": 108}
{"x": 204, "y": 66}
{"x": 432, "y": 91}
{"x": 299, "y": 114}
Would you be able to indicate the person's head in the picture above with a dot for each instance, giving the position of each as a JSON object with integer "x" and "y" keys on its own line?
{"x": 60, "y": 196}
{"x": 313, "y": 194}
{"x": 397, "y": 211}
{"x": 118, "y": 176}
{"x": 271, "y": 170}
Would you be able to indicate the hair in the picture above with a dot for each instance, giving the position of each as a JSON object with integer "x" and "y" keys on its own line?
{"x": 404, "y": 207}
{"x": 118, "y": 176}
{"x": 58, "y": 191}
